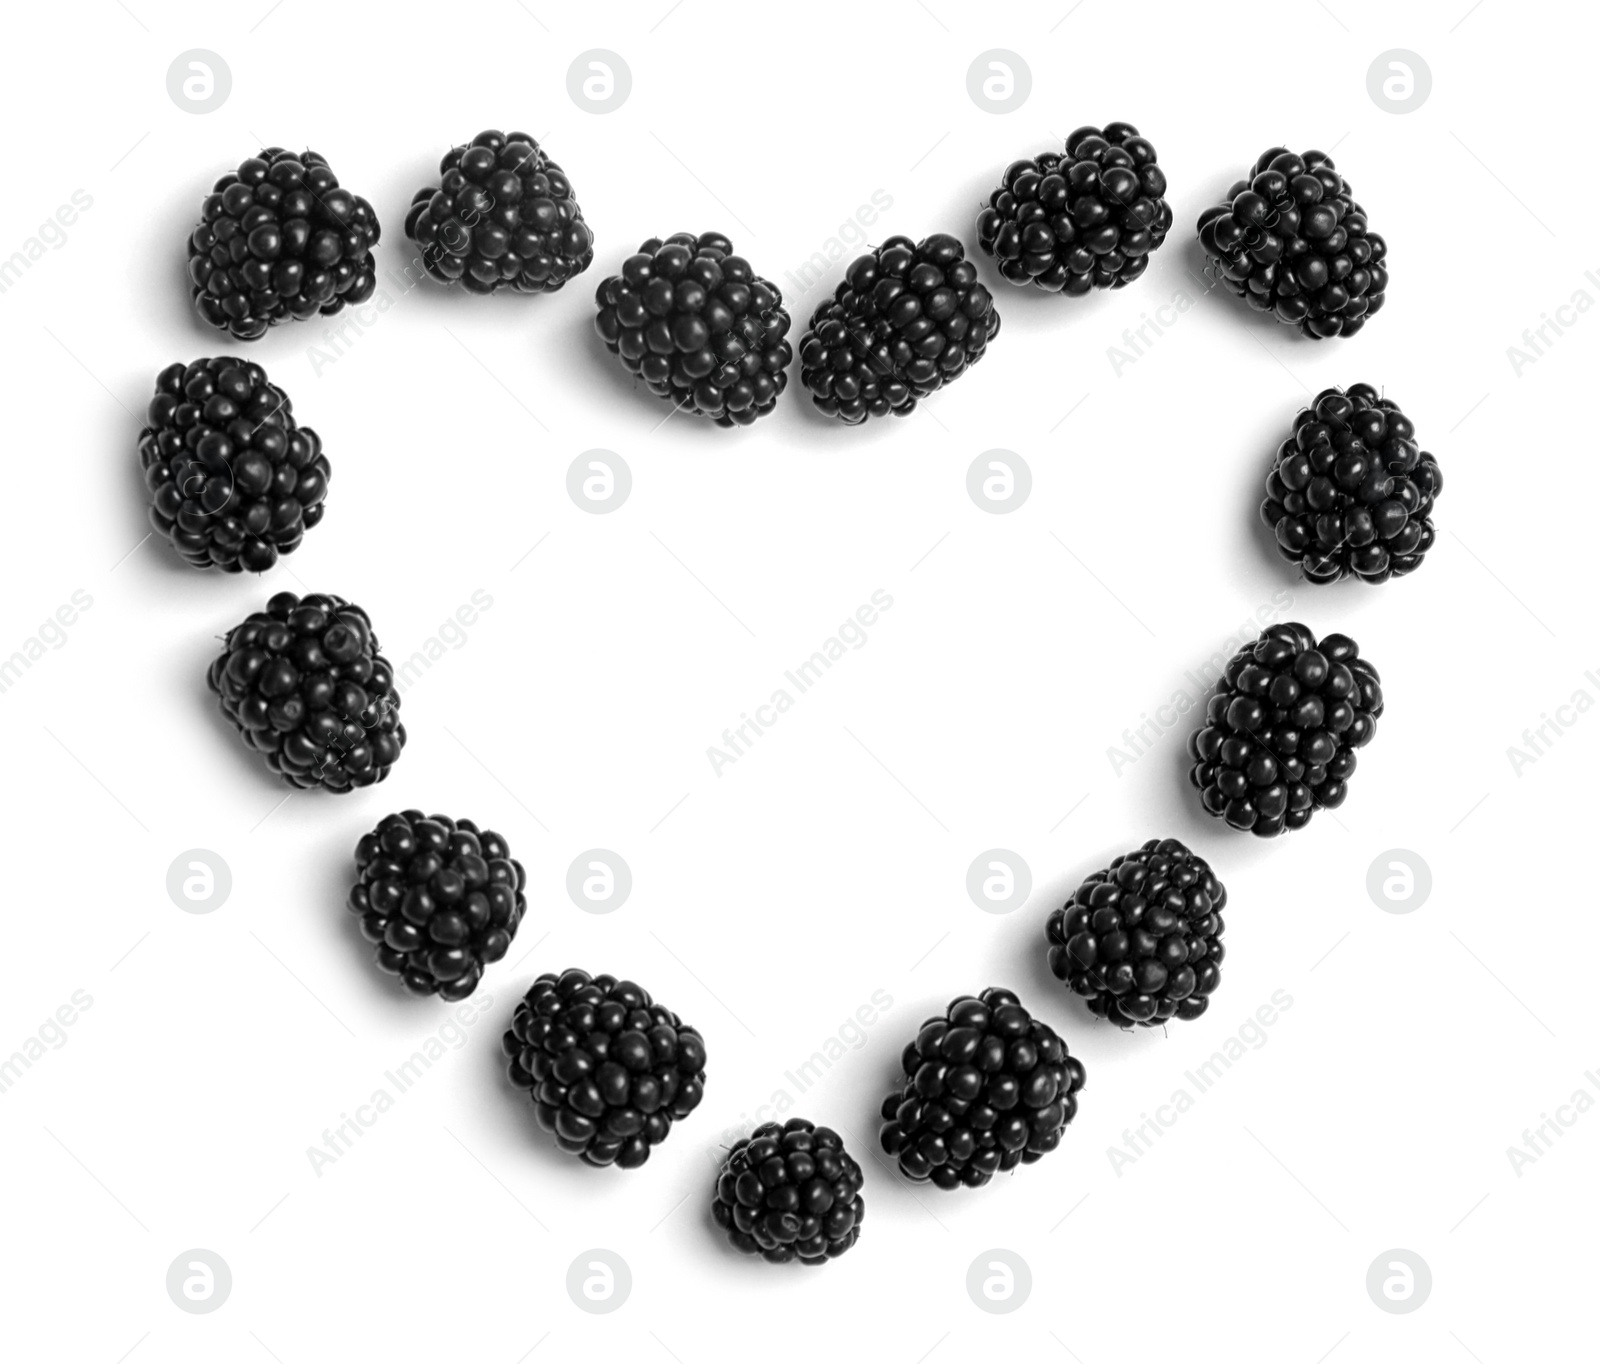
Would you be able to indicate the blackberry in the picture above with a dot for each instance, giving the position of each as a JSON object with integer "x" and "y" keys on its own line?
{"x": 305, "y": 685}
{"x": 699, "y": 326}
{"x": 1282, "y": 730}
{"x": 609, "y": 1069}
{"x": 987, "y": 1087}
{"x": 1142, "y": 940}
{"x": 1351, "y": 492}
{"x": 1086, "y": 219}
{"x": 503, "y": 216}
{"x": 233, "y": 481}
{"x": 1292, "y": 241}
{"x": 280, "y": 239}
{"x": 440, "y": 899}
{"x": 907, "y": 320}
{"x": 790, "y": 1192}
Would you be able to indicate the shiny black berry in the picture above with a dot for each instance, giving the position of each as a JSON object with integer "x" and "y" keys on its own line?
{"x": 306, "y": 687}
{"x": 503, "y": 216}
{"x": 1142, "y": 940}
{"x": 1088, "y": 219}
{"x": 280, "y": 239}
{"x": 699, "y": 326}
{"x": 908, "y": 319}
{"x": 1282, "y": 730}
{"x": 986, "y": 1087}
{"x": 1292, "y": 241}
{"x": 439, "y": 898}
{"x": 790, "y": 1191}
{"x": 1351, "y": 492}
{"x": 233, "y": 481}
{"x": 609, "y": 1069}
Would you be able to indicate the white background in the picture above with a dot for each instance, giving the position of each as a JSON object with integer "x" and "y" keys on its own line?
{"x": 772, "y": 901}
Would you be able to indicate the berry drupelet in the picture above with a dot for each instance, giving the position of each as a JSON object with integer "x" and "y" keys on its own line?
{"x": 987, "y": 1087}
{"x": 790, "y": 1191}
{"x": 280, "y": 239}
{"x": 305, "y": 685}
{"x": 233, "y": 481}
{"x": 908, "y": 319}
{"x": 1351, "y": 492}
{"x": 1282, "y": 731}
{"x": 1292, "y": 241}
{"x": 1086, "y": 219}
{"x": 609, "y": 1069}
{"x": 1142, "y": 940}
{"x": 699, "y": 326}
{"x": 502, "y": 217}
{"x": 440, "y": 899}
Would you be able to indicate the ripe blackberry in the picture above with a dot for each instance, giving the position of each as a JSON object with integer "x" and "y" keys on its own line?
{"x": 987, "y": 1086}
{"x": 439, "y": 898}
{"x": 305, "y": 685}
{"x": 1142, "y": 940}
{"x": 1282, "y": 731}
{"x": 1292, "y": 241}
{"x": 1085, "y": 220}
{"x": 233, "y": 481}
{"x": 1350, "y": 491}
{"x": 608, "y": 1068}
{"x": 280, "y": 239}
{"x": 790, "y": 1192}
{"x": 503, "y": 216}
{"x": 907, "y": 320}
{"x": 699, "y": 326}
